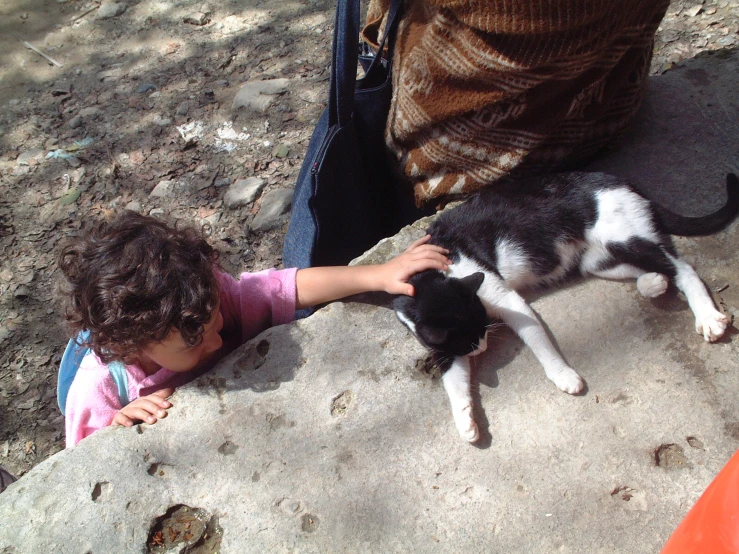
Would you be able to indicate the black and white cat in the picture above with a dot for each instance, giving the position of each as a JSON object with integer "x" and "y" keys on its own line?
{"x": 538, "y": 233}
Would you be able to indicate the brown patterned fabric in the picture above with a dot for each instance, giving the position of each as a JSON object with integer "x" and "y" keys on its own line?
{"x": 484, "y": 89}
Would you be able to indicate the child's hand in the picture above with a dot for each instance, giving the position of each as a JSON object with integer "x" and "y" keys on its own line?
{"x": 147, "y": 408}
{"x": 418, "y": 257}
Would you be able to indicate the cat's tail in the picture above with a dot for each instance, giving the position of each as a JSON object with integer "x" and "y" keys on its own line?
{"x": 686, "y": 226}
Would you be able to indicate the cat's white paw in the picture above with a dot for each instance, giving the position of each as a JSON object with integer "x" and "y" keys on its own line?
{"x": 466, "y": 425}
{"x": 566, "y": 380}
{"x": 712, "y": 326}
{"x": 652, "y": 285}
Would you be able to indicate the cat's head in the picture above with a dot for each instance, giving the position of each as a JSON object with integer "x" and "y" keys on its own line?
{"x": 445, "y": 314}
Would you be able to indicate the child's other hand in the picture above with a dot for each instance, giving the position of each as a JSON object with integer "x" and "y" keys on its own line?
{"x": 418, "y": 257}
{"x": 147, "y": 408}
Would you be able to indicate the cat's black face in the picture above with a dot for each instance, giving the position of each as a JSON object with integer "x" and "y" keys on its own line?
{"x": 445, "y": 314}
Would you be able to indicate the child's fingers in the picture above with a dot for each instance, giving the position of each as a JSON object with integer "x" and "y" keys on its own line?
{"x": 163, "y": 393}
{"x": 121, "y": 419}
{"x": 416, "y": 243}
{"x": 145, "y": 410}
{"x": 160, "y": 398}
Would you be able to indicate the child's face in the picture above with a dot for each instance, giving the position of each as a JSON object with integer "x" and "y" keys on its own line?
{"x": 175, "y": 354}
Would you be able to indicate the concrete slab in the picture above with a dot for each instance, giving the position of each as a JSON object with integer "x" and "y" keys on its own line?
{"x": 323, "y": 436}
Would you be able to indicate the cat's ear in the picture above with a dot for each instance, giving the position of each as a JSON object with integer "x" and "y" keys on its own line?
{"x": 433, "y": 335}
{"x": 474, "y": 281}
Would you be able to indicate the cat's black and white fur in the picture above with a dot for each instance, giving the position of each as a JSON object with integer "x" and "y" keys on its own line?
{"x": 506, "y": 240}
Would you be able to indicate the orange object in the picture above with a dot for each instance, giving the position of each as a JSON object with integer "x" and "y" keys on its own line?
{"x": 712, "y": 525}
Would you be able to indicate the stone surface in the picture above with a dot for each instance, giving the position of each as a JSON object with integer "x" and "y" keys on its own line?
{"x": 323, "y": 434}
{"x": 274, "y": 210}
{"x": 111, "y": 9}
{"x": 243, "y": 191}
{"x": 259, "y": 95}
{"x": 685, "y": 137}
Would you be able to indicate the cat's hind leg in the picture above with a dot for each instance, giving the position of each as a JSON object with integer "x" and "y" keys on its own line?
{"x": 649, "y": 284}
{"x": 652, "y": 285}
{"x": 709, "y": 322}
{"x": 457, "y": 385}
{"x": 643, "y": 258}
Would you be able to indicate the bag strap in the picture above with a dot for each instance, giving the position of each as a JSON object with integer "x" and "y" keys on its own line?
{"x": 71, "y": 360}
{"x": 345, "y": 56}
{"x": 120, "y": 378}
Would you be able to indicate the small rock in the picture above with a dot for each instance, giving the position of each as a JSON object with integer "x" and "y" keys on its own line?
{"x": 275, "y": 205}
{"x": 281, "y": 151}
{"x": 20, "y": 170}
{"x": 92, "y": 111}
{"x": 222, "y": 182}
{"x": 111, "y": 9}
{"x": 21, "y": 292}
{"x": 694, "y": 10}
{"x": 74, "y": 161}
{"x": 162, "y": 121}
{"x": 146, "y": 87}
{"x": 183, "y": 108}
{"x": 134, "y": 206}
{"x": 198, "y": 18}
{"x": 30, "y": 157}
{"x": 163, "y": 188}
{"x": 156, "y": 211}
{"x": 61, "y": 89}
{"x": 78, "y": 174}
{"x": 75, "y": 122}
{"x": 259, "y": 95}
{"x": 70, "y": 197}
{"x": 243, "y": 192}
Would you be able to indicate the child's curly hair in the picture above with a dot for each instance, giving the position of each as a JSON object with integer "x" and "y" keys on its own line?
{"x": 132, "y": 280}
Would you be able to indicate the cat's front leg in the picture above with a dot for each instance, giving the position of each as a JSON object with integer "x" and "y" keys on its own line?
{"x": 457, "y": 385}
{"x": 517, "y": 314}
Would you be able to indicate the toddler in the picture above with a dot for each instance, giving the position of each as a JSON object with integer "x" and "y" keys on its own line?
{"x": 154, "y": 298}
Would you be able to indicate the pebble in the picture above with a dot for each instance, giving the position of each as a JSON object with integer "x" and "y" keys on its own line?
{"x": 281, "y": 151}
{"x": 21, "y": 292}
{"x": 75, "y": 122}
{"x": 162, "y": 189}
{"x": 198, "y": 18}
{"x": 111, "y": 9}
{"x": 243, "y": 192}
{"x": 222, "y": 182}
{"x": 70, "y": 197}
{"x": 134, "y": 206}
{"x": 275, "y": 206}
{"x": 259, "y": 95}
{"x": 162, "y": 121}
{"x": 183, "y": 108}
{"x": 89, "y": 112}
{"x": 33, "y": 156}
{"x": 146, "y": 87}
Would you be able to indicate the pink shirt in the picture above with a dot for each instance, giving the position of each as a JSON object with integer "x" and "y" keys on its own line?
{"x": 250, "y": 305}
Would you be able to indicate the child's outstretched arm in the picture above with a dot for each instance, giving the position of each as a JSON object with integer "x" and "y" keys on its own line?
{"x": 317, "y": 285}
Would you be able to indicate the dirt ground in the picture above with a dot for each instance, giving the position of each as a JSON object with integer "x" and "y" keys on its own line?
{"x": 145, "y": 96}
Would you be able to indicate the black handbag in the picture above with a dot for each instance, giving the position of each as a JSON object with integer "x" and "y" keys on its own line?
{"x": 347, "y": 196}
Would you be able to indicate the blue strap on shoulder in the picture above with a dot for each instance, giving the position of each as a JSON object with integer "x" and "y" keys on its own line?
{"x": 71, "y": 360}
{"x": 120, "y": 378}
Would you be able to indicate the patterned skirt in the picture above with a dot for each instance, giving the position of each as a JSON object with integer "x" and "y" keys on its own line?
{"x": 489, "y": 89}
